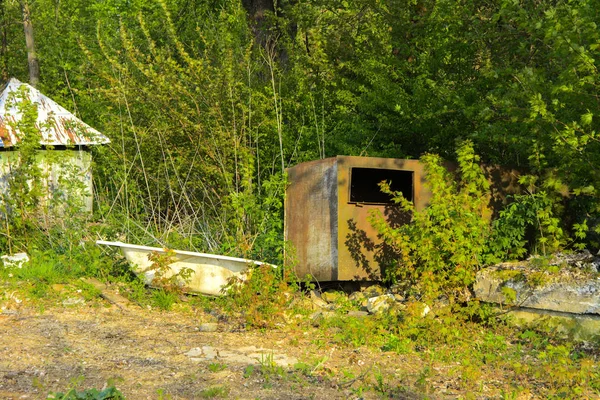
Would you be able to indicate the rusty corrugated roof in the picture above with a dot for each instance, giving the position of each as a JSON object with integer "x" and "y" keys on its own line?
{"x": 57, "y": 126}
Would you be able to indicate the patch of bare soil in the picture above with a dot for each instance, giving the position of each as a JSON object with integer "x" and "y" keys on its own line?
{"x": 150, "y": 354}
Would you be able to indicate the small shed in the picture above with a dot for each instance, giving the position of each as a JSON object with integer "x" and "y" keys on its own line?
{"x": 326, "y": 209}
{"x": 59, "y": 131}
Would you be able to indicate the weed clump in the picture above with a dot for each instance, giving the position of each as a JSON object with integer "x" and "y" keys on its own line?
{"x": 263, "y": 297}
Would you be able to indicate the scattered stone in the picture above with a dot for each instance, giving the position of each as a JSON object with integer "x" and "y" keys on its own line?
{"x": 284, "y": 361}
{"x": 58, "y": 287}
{"x": 208, "y": 327}
{"x": 290, "y": 317}
{"x": 357, "y": 314}
{"x": 332, "y": 296}
{"x": 318, "y": 317}
{"x": 425, "y": 309}
{"x": 243, "y": 355}
{"x": 248, "y": 349}
{"x": 399, "y": 298}
{"x": 373, "y": 291}
{"x": 195, "y": 352}
{"x": 15, "y": 261}
{"x": 359, "y": 298}
{"x": 317, "y": 301}
{"x": 379, "y": 304}
{"x": 73, "y": 301}
{"x": 400, "y": 288}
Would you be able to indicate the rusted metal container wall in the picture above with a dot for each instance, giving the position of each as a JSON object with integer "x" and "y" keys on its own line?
{"x": 361, "y": 253}
{"x": 311, "y": 218}
{"x": 327, "y": 209}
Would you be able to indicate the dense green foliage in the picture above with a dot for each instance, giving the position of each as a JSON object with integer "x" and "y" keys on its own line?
{"x": 206, "y": 103}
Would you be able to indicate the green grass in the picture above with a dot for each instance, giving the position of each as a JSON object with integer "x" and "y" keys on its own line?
{"x": 163, "y": 299}
{"x": 215, "y": 392}
{"x": 466, "y": 341}
{"x": 216, "y": 367}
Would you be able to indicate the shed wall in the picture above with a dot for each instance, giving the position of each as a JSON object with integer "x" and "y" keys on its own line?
{"x": 56, "y": 165}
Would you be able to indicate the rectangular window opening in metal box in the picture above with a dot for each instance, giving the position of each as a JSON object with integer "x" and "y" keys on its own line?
{"x": 364, "y": 185}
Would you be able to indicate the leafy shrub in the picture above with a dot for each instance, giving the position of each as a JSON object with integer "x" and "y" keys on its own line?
{"x": 263, "y": 296}
{"x": 164, "y": 277}
{"x": 529, "y": 221}
{"x": 444, "y": 245}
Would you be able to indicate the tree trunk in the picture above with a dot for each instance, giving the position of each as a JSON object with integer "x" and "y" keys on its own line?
{"x": 34, "y": 66}
{"x": 3, "y": 43}
{"x": 256, "y": 10}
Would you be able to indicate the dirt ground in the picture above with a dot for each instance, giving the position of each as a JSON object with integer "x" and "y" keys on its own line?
{"x": 149, "y": 354}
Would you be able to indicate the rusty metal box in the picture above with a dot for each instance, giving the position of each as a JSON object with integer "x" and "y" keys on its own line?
{"x": 326, "y": 209}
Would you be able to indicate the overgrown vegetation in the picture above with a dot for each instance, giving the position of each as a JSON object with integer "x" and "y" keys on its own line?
{"x": 205, "y": 109}
{"x": 206, "y": 104}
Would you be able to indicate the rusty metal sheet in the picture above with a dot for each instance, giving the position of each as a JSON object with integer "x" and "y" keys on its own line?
{"x": 57, "y": 126}
{"x": 311, "y": 218}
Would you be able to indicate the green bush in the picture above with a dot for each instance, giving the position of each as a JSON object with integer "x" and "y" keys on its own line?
{"x": 444, "y": 245}
{"x": 263, "y": 297}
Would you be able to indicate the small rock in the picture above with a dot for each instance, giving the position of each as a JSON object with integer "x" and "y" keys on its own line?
{"x": 317, "y": 300}
{"x": 284, "y": 361}
{"x": 359, "y": 298}
{"x": 57, "y": 287}
{"x": 399, "y": 288}
{"x": 209, "y": 353}
{"x": 399, "y": 298}
{"x": 195, "y": 352}
{"x": 318, "y": 317}
{"x": 331, "y": 296}
{"x": 15, "y": 261}
{"x": 290, "y": 318}
{"x": 208, "y": 327}
{"x": 73, "y": 301}
{"x": 441, "y": 302}
{"x": 379, "y": 304}
{"x": 248, "y": 349}
{"x": 357, "y": 314}
{"x": 373, "y": 291}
